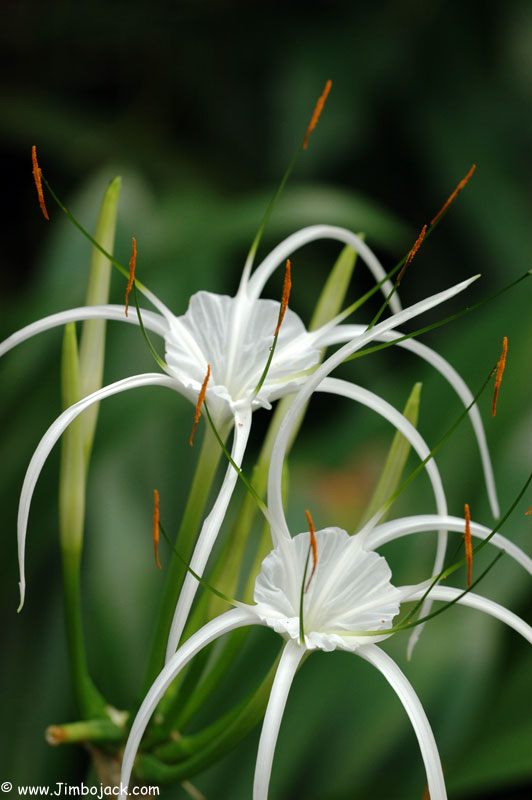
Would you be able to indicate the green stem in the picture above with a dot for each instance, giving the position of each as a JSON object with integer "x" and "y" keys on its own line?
{"x": 186, "y": 537}
{"x": 211, "y": 678}
{"x": 150, "y": 769}
{"x": 88, "y": 700}
{"x": 91, "y": 730}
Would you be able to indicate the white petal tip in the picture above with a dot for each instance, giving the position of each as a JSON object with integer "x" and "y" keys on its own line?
{"x": 411, "y": 644}
{"x": 469, "y": 281}
{"x": 22, "y": 589}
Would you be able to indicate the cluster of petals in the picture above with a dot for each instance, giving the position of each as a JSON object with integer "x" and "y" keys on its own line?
{"x": 351, "y": 602}
{"x": 234, "y": 335}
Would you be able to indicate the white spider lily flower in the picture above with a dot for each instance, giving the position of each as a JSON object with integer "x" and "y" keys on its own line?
{"x": 233, "y": 336}
{"x": 350, "y": 605}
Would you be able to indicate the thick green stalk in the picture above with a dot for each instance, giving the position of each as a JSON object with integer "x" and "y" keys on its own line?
{"x": 199, "y": 493}
{"x": 150, "y": 769}
{"x": 71, "y": 518}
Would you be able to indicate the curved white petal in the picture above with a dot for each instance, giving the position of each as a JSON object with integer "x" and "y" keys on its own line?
{"x": 290, "y": 659}
{"x": 378, "y": 404}
{"x": 285, "y": 249}
{"x": 373, "y": 401}
{"x": 402, "y": 687}
{"x": 343, "y": 333}
{"x": 52, "y": 435}
{"x": 310, "y": 385}
{"x": 153, "y": 322}
{"x": 236, "y": 618}
{"x": 448, "y": 593}
{"x": 209, "y": 532}
{"x": 430, "y": 522}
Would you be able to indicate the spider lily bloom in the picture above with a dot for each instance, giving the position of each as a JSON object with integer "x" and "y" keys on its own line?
{"x": 233, "y": 336}
{"x": 350, "y": 604}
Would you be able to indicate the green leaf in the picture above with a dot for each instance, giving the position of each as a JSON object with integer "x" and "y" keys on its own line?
{"x": 92, "y": 347}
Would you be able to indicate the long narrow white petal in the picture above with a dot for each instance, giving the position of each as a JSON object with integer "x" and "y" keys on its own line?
{"x": 236, "y": 618}
{"x": 52, "y": 435}
{"x": 430, "y": 522}
{"x": 209, "y": 532}
{"x": 153, "y": 322}
{"x": 292, "y": 655}
{"x": 448, "y": 593}
{"x": 376, "y": 403}
{"x": 283, "y": 437}
{"x": 285, "y": 249}
{"x": 343, "y": 333}
{"x": 418, "y": 718}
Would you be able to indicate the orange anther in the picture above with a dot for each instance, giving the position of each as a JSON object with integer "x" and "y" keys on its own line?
{"x": 500, "y": 369}
{"x": 468, "y": 544}
{"x": 317, "y": 112}
{"x": 452, "y": 196}
{"x": 132, "y": 262}
{"x": 529, "y": 511}
{"x": 413, "y": 251}
{"x": 156, "y": 526}
{"x": 38, "y": 182}
{"x": 201, "y": 398}
{"x": 314, "y": 546}
{"x": 287, "y": 285}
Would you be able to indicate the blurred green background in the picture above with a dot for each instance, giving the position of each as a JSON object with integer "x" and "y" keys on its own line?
{"x": 199, "y": 107}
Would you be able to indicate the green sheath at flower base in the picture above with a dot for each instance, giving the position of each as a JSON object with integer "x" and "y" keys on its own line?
{"x": 396, "y": 460}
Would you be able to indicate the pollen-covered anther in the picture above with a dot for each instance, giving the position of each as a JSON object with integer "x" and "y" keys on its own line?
{"x": 132, "y": 263}
{"x": 452, "y": 196}
{"x": 468, "y": 544}
{"x": 156, "y": 526}
{"x": 501, "y": 363}
{"x": 317, "y": 113}
{"x": 314, "y": 546}
{"x": 287, "y": 286}
{"x": 201, "y": 398}
{"x": 527, "y": 513}
{"x": 413, "y": 251}
{"x": 37, "y": 177}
